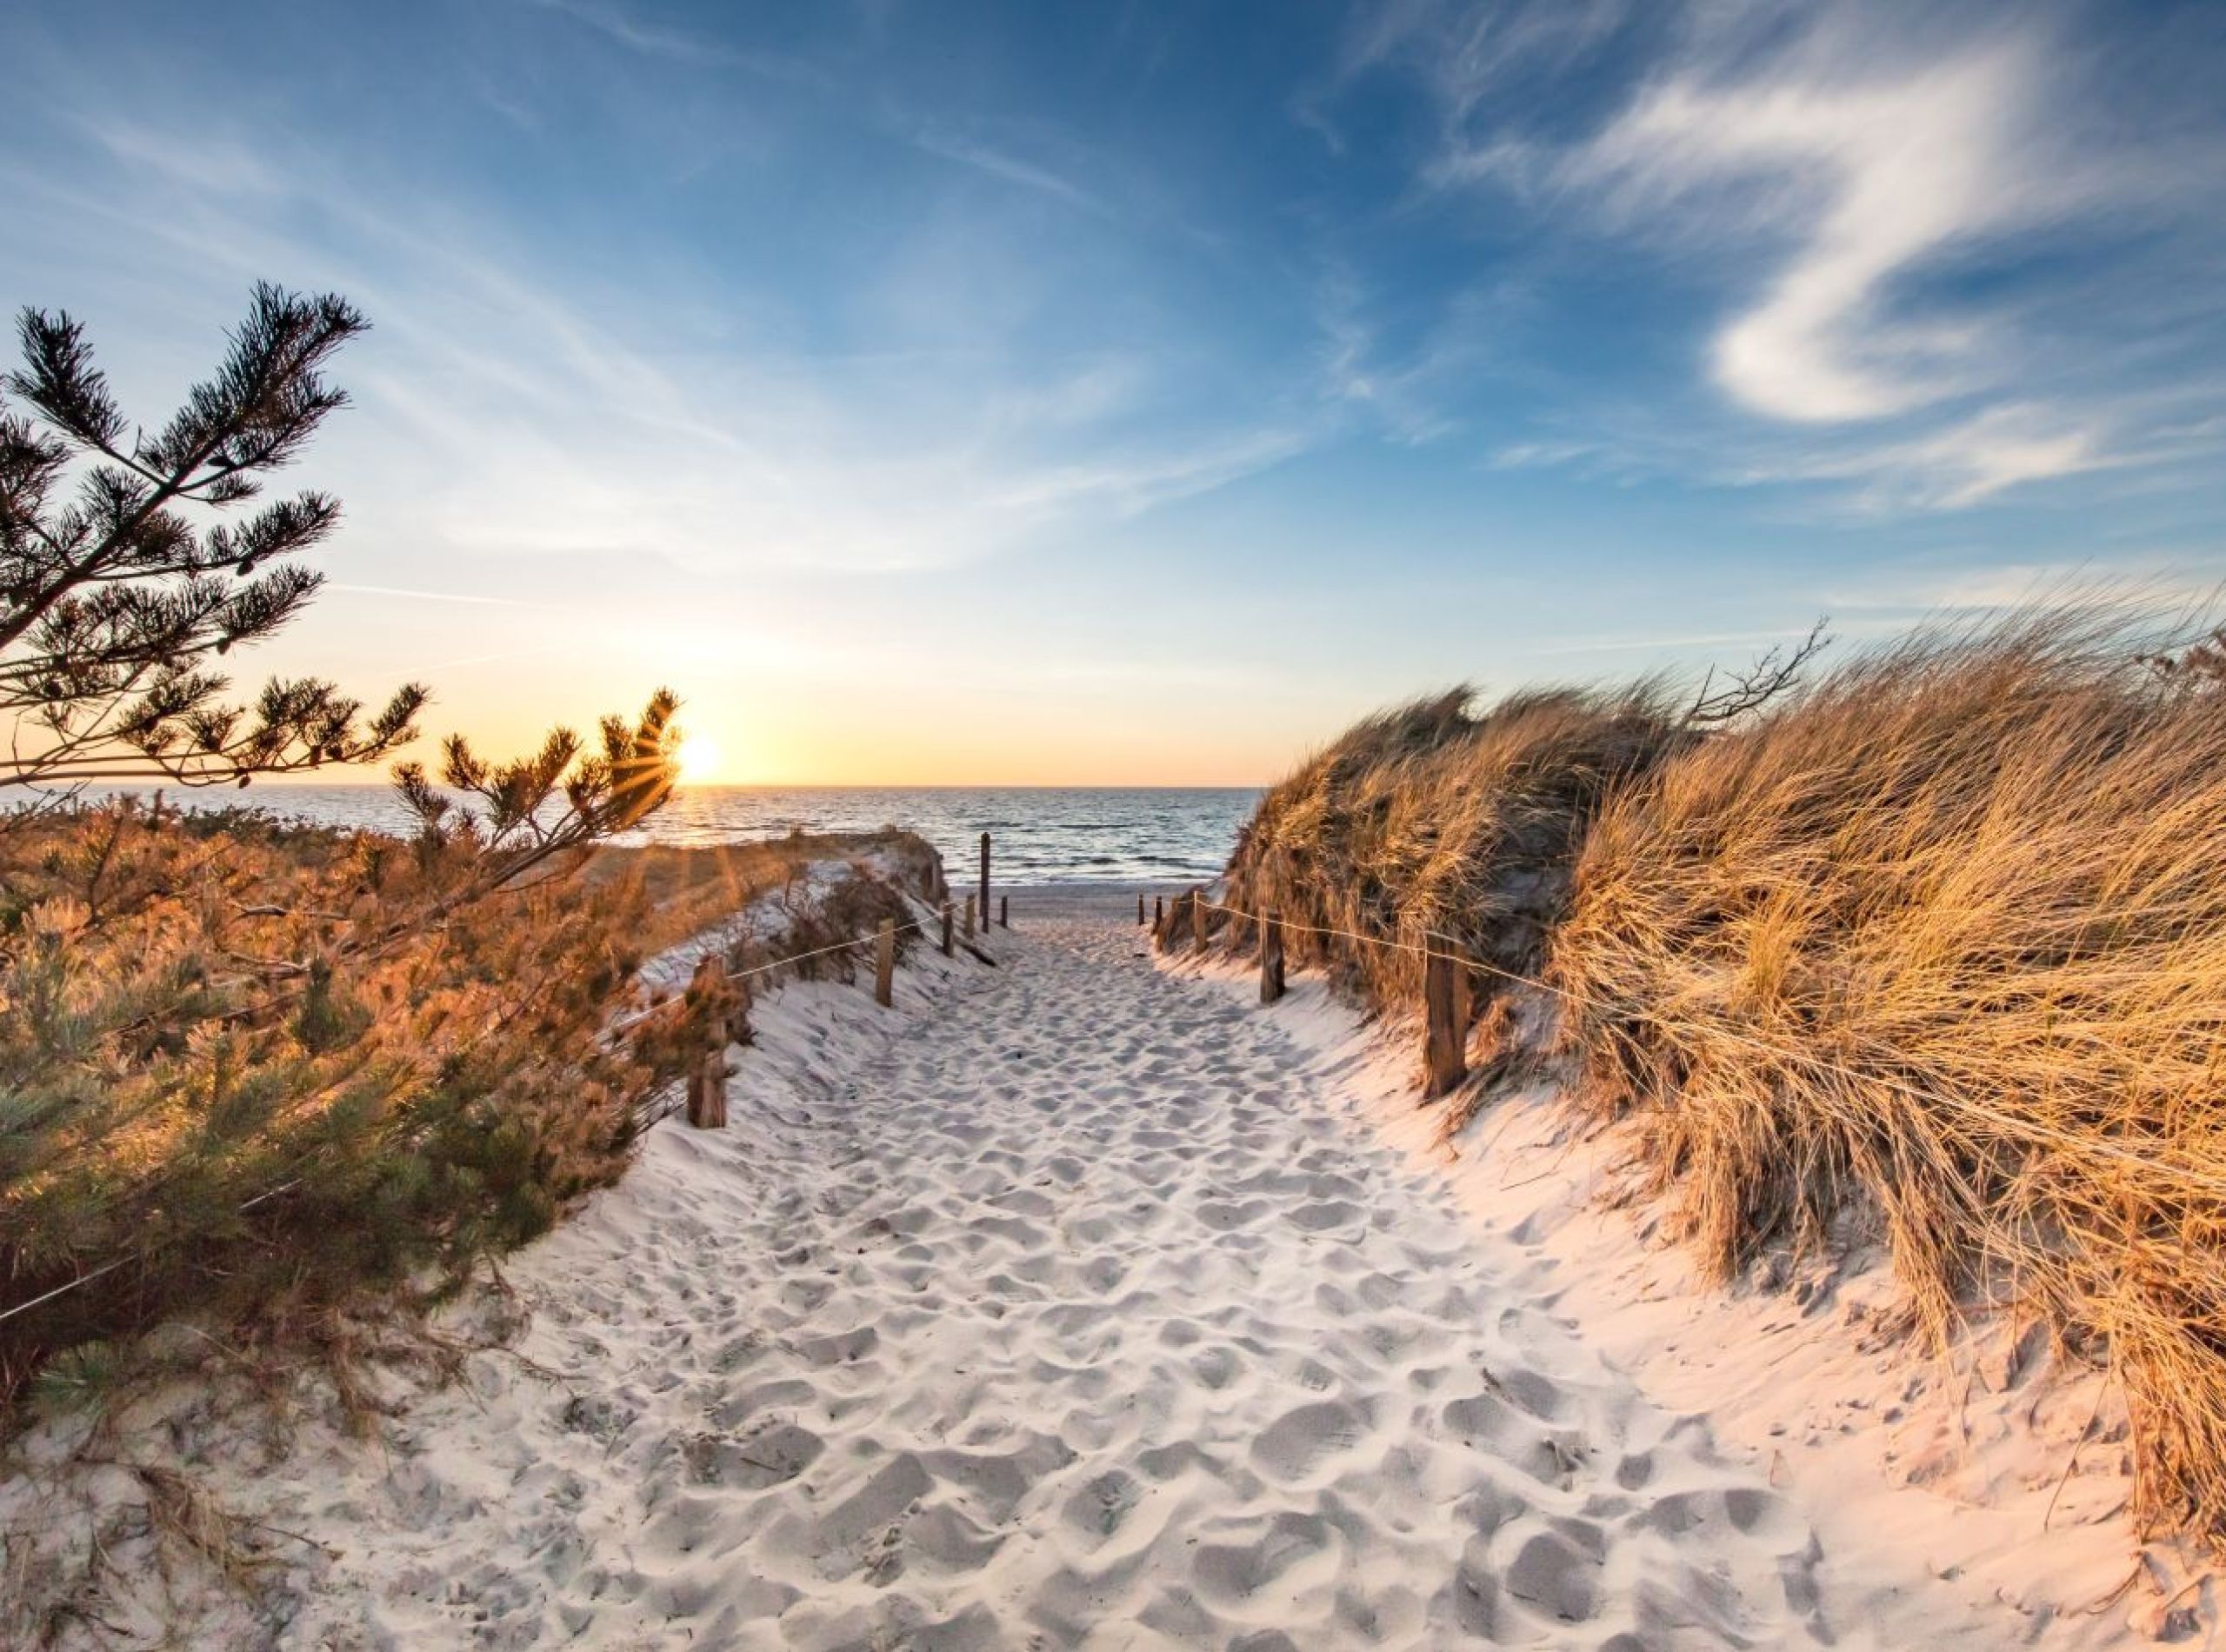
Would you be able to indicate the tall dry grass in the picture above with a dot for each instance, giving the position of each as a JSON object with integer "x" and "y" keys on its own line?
{"x": 1973, "y": 889}
{"x": 1436, "y": 819}
{"x": 1936, "y": 948}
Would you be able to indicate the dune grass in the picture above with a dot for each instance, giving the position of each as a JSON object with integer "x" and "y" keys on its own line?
{"x": 1433, "y": 820}
{"x": 1935, "y": 949}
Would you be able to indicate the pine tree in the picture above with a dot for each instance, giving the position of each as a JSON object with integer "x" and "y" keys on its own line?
{"x": 117, "y": 594}
{"x": 266, "y": 1073}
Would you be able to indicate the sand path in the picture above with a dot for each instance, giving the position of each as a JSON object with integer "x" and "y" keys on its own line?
{"x": 1073, "y": 1312}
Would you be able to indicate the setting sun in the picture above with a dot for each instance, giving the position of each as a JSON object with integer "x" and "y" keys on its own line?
{"x": 699, "y": 759}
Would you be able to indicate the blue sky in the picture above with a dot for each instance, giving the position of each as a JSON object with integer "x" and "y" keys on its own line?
{"x": 1125, "y": 393}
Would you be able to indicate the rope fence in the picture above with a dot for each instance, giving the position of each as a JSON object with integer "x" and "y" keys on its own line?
{"x": 1445, "y": 1005}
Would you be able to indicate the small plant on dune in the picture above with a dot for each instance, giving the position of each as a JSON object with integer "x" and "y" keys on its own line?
{"x": 258, "y": 1075}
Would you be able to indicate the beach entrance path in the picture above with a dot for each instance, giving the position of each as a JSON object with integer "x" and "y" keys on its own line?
{"x": 1079, "y": 1312}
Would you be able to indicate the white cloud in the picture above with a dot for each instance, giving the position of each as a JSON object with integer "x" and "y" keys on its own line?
{"x": 1866, "y": 179}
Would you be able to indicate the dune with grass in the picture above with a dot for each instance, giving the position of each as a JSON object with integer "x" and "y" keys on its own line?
{"x": 1911, "y": 973}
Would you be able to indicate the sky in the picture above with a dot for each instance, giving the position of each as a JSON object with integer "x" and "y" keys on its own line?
{"x": 1137, "y": 393}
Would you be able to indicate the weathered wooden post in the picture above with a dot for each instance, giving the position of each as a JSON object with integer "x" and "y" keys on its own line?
{"x": 968, "y": 931}
{"x": 1272, "y": 958}
{"x": 707, "y": 1092}
{"x": 1004, "y": 911}
{"x": 707, "y": 1083}
{"x": 985, "y": 881}
{"x": 884, "y": 963}
{"x": 1198, "y": 919}
{"x": 1445, "y": 1039}
{"x": 1140, "y": 909}
{"x": 1159, "y": 911}
{"x": 946, "y": 929}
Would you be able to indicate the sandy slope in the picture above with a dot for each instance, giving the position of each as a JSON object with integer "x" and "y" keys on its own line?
{"x": 1066, "y": 1306}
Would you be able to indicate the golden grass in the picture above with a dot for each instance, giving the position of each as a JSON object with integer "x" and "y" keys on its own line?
{"x": 1428, "y": 819}
{"x": 1938, "y": 948}
{"x": 1984, "y": 878}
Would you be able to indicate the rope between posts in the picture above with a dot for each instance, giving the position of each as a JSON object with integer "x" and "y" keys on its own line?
{"x": 918, "y": 924}
{"x": 2008, "y": 1123}
{"x": 624, "y": 1026}
{"x": 110, "y": 1266}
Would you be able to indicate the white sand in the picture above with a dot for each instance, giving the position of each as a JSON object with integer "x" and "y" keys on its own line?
{"x": 1996, "y": 1473}
{"x": 1070, "y": 1304}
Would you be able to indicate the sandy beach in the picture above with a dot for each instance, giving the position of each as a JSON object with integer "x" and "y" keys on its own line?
{"x": 1072, "y": 1304}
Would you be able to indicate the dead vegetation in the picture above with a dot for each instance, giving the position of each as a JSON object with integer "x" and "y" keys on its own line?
{"x": 1936, "y": 948}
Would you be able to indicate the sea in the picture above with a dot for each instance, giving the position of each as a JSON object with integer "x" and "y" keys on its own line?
{"x": 1077, "y": 834}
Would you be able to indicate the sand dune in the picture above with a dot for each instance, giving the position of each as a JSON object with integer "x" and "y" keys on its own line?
{"x": 1062, "y": 1307}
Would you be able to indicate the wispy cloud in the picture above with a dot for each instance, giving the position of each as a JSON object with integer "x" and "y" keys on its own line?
{"x": 1463, "y": 53}
{"x": 748, "y": 456}
{"x": 625, "y": 28}
{"x": 1966, "y": 463}
{"x": 954, "y": 146}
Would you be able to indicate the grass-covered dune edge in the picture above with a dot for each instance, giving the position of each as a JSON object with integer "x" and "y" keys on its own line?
{"x": 1931, "y": 950}
{"x": 275, "y": 1085}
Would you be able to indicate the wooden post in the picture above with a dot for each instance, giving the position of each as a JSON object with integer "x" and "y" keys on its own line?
{"x": 1272, "y": 958}
{"x": 707, "y": 1092}
{"x": 884, "y": 963}
{"x": 985, "y": 881}
{"x": 1004, "y": 911}
{"x": 969, "y": 917}
{"x": 1445, "y": 1039}
{"x": 1140, "y": 909}
{"x": 1159, "y": 911}
{"x": 1198, "y": 919}
{"x": 946, "y": 929}
{"x": 707, "y": 1084}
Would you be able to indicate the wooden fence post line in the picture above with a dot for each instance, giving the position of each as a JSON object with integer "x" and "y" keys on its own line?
{"x": 884, "y": 963}
{"x": 985, "y": 881}
{"x": 1272, "y": 958}
{"x": 1198, "y": 919}
{"x": 969, "y": 918}
{"x": 1445, "y": 1040}
{"x": 1004, "y": 911}
{"x": 946, "y": 929}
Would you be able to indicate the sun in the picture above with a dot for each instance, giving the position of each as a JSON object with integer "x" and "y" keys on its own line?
{"x": 699, "y": 759}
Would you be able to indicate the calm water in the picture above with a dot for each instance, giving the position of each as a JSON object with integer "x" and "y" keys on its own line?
{"x": 1042, "y": 834}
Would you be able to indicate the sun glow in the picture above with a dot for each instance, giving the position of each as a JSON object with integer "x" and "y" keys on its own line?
{"x": 699, "y": 759}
